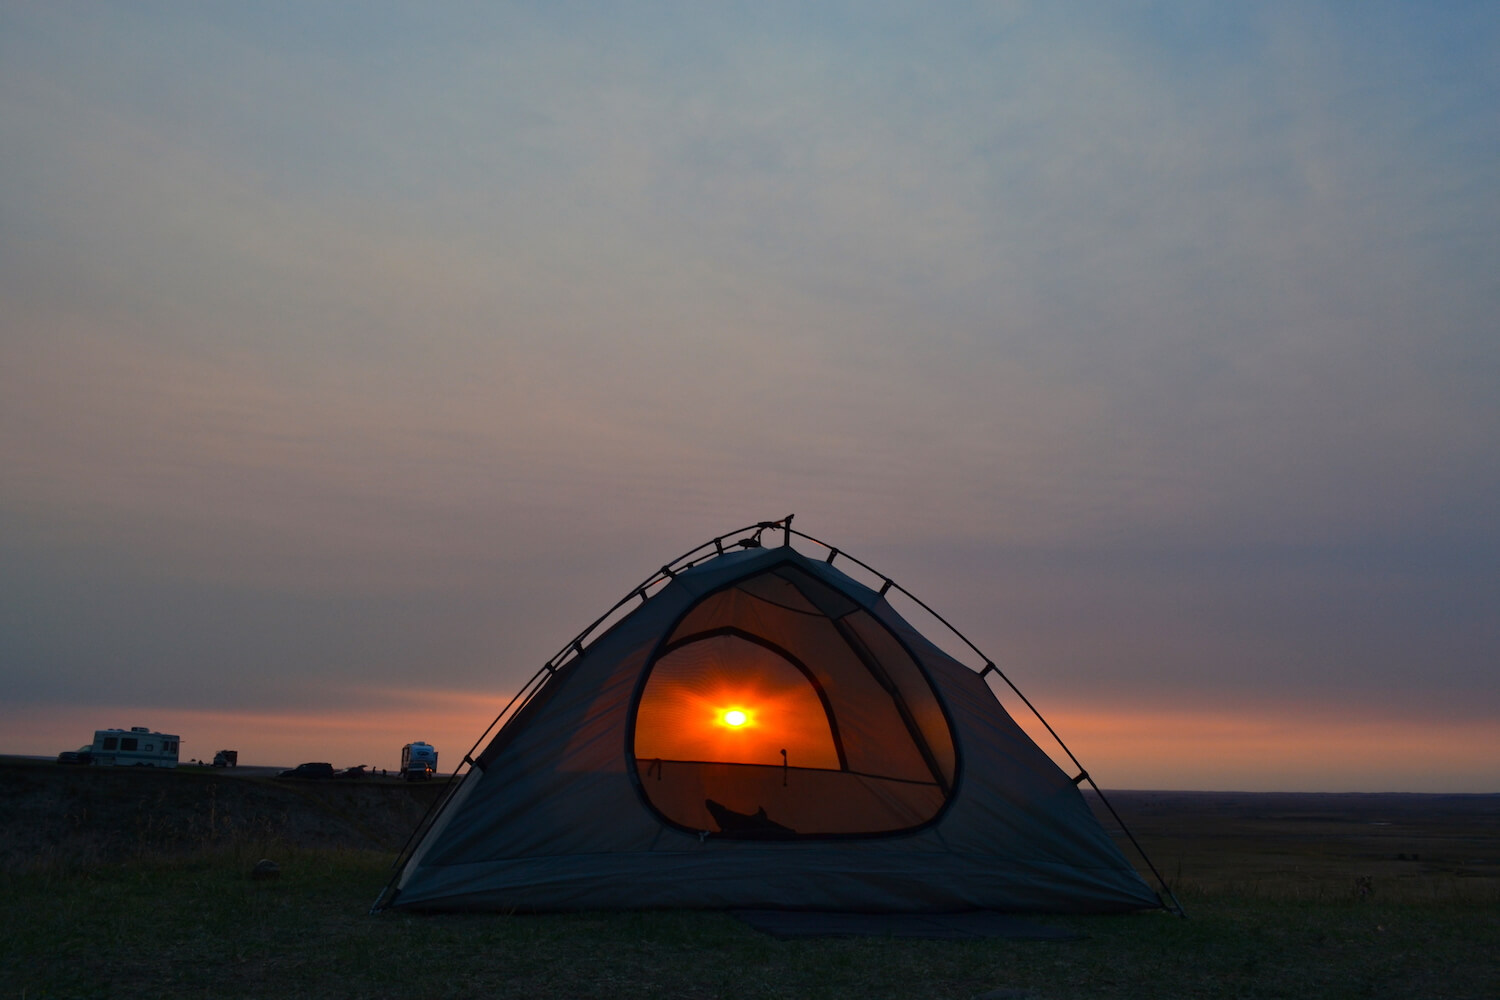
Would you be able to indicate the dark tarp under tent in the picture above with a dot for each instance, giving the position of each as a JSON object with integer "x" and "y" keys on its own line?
{"x": 756, "y": 729}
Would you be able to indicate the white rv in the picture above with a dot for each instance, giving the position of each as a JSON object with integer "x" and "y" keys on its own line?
{"x": 418, "y": 761}
{"x": 137, "y": 746}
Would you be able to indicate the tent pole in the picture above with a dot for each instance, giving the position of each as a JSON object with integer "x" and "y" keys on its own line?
{"x": 1170, "y": 902}
{"x": 1083, "y": 776}
{"x": 889, "y": 584}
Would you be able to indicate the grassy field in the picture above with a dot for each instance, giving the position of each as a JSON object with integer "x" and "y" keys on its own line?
{"x": 1287, "y": 897}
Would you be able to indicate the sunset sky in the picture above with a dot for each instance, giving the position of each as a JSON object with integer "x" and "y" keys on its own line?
{"x": 354, "y": 356}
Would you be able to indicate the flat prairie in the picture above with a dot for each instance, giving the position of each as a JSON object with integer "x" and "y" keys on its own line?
{"x": 140, "y": 884}
{"x": 1289, "y": 845}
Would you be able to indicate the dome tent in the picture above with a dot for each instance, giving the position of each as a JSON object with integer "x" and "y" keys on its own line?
{"x": 761, "y": 731}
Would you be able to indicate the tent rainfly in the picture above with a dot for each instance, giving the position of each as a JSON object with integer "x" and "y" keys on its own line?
{"x": 762, "y": 731}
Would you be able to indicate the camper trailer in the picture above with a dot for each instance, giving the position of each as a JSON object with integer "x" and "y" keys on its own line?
{"x": 137, "y": 746}
{"x": 418, "y": 761}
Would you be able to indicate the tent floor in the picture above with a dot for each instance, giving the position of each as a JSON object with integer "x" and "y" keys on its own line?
{"x": 945, "y": 926}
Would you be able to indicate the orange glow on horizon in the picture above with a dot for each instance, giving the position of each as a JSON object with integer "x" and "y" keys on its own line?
{"x": 1307, "y": 747}
{"x": 1271, "y": 748}
{"x": 370, "y": 731}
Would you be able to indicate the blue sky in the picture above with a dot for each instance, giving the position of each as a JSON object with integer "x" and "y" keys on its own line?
{"x": 351, "y": 352}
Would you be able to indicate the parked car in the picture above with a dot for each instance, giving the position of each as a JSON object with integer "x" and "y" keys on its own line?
{"x": 319, "y": 770}
{"x": 357, "y": 771}
{"x": 83, "y": 756}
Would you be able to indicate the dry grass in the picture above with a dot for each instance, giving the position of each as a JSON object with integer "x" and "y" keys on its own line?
{"x": 203, "y": 928}
{"x": 1285, "y": 900}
